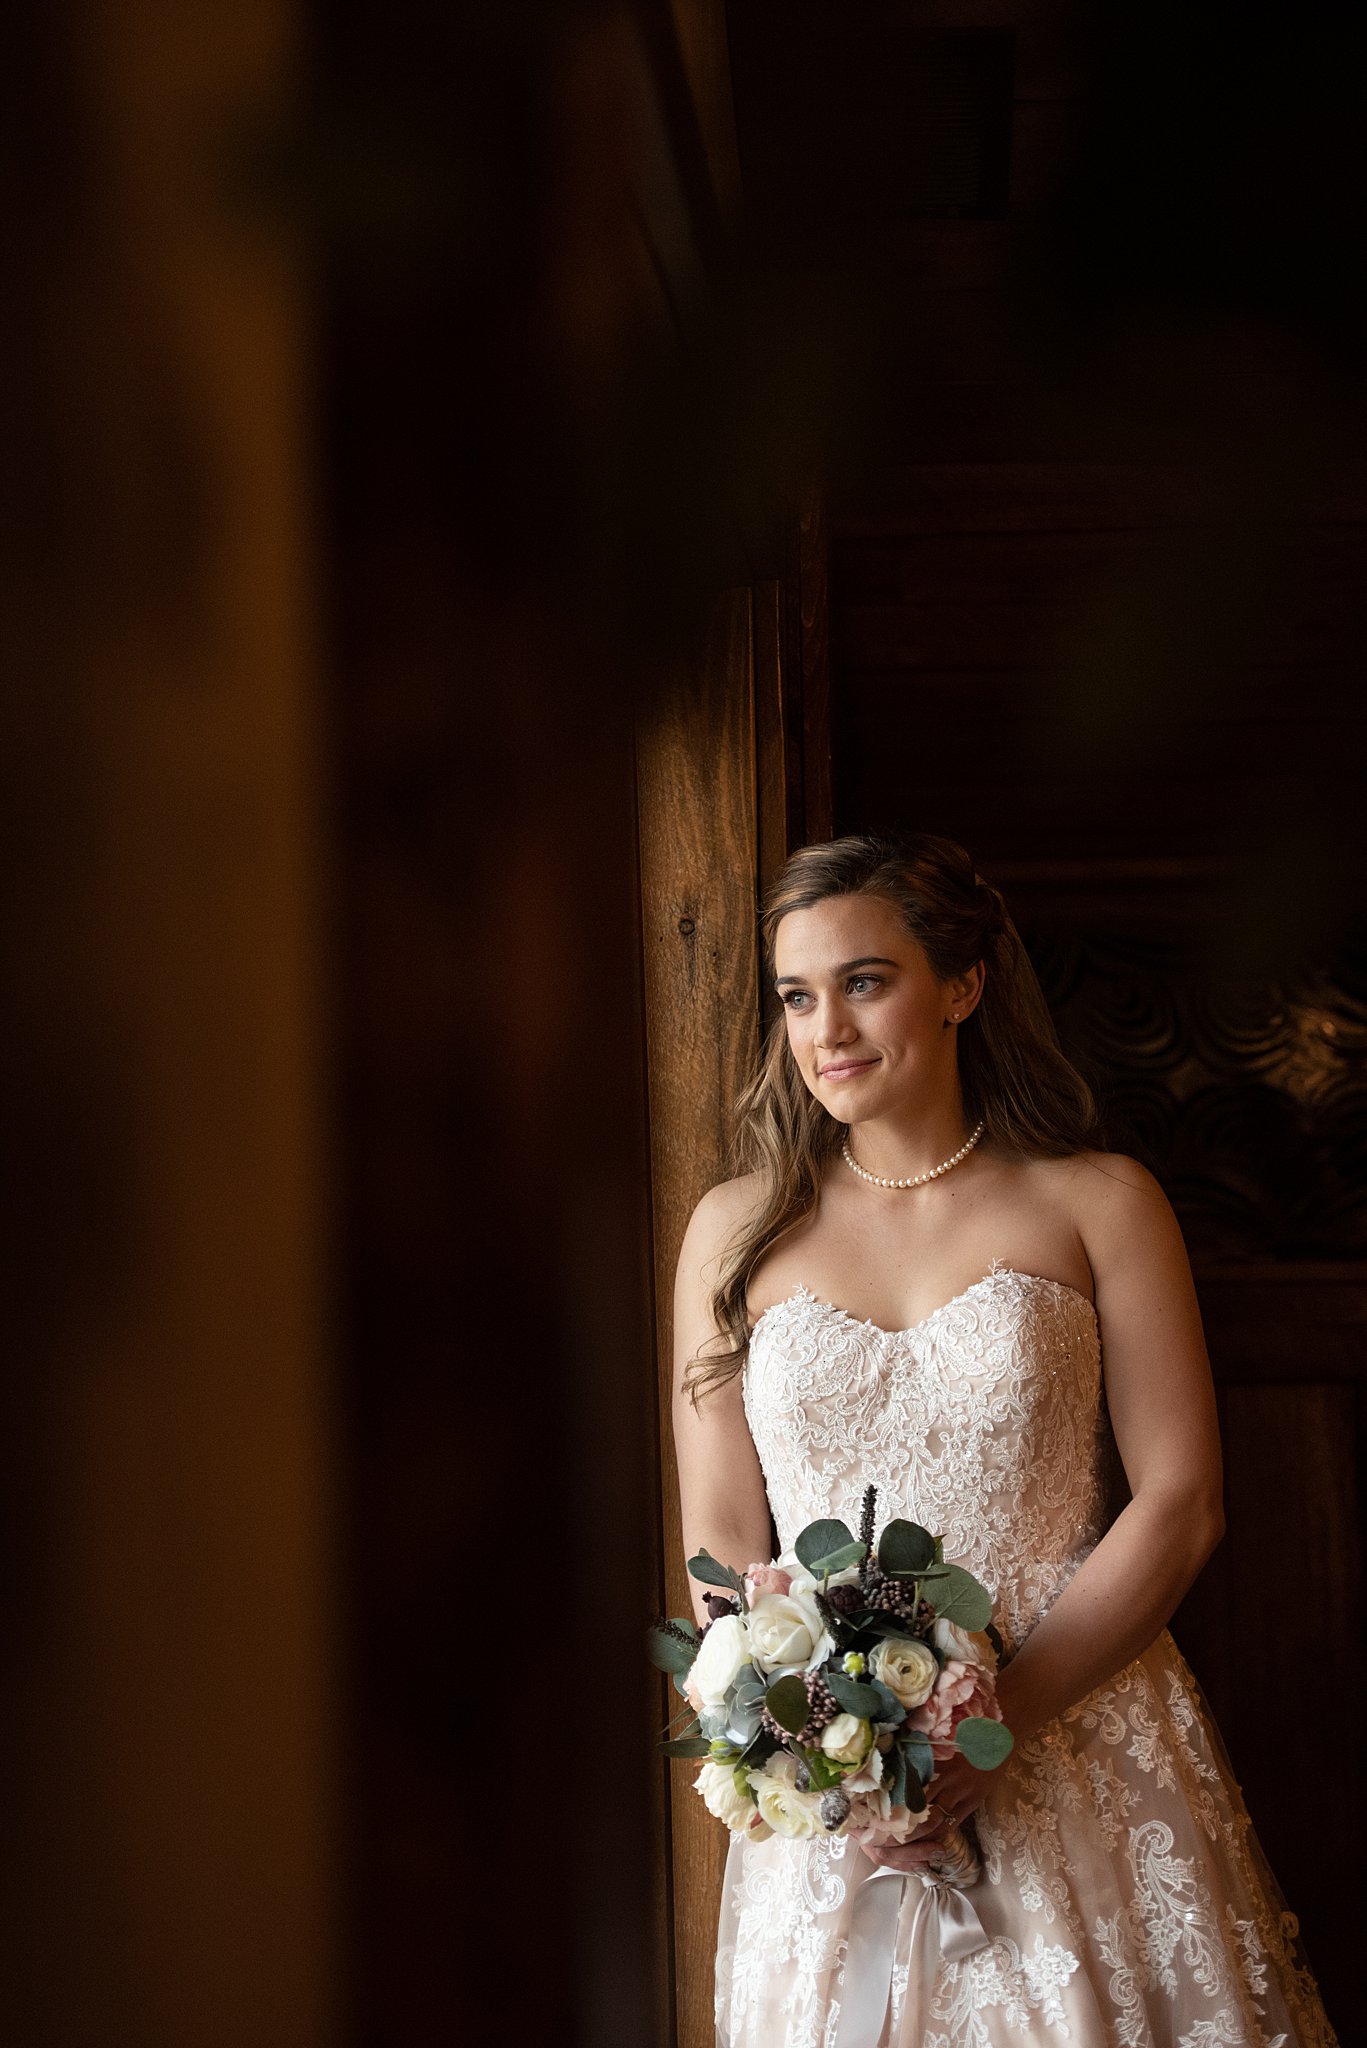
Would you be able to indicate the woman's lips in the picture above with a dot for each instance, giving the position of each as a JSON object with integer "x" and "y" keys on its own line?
{"x": 846, "y": 1069}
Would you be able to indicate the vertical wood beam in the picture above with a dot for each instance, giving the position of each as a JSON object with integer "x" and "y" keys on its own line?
{"x": 814, "y": 599}
{"x": 696, "y": 783}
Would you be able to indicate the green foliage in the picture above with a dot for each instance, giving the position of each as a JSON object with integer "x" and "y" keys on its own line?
{"x": 688, "y": 1745}
{"x": 919, "y": 1755}
{"x": 905, "y": 1550}
{"x": 854, "y": 1695}
{"x": 891, "y": 1713}
{"x": 713, "y": 1573}
{"x": 963, "y": 1599}
{"x": 984, "y": 1742}
{"x": 823, "y": 1773}
{"x": 838, "y": 1560}
{"x": 666, "y": 1652}
{"x": 827, "y": 1547}
{"x": 786, "y": 1700}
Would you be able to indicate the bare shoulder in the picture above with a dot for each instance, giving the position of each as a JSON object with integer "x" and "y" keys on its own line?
{"x": 719, "y": 1218}
{"x": 1112, "y": 1202}
{"x": 1102, "y": 1177}
{"x": 1122, "y": 1216}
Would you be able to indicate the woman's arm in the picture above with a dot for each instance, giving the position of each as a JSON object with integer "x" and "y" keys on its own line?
{"x": 1162, "y": 1406}
{"x": 721, "y": 1488}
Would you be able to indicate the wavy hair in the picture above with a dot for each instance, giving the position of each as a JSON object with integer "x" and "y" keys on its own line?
{"x": 1013, "y": 1073}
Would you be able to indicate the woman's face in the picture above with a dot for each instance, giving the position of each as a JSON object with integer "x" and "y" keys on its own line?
{"x": 865, "y": 1014}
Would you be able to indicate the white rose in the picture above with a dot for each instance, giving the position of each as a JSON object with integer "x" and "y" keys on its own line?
{"x": 847, "y": 1739}
{"x": 907, "y": 1667}
{"x": 783, "y": 1631}
{"x": 969, "y": 1646}
{"x": 782, "y": 1807}
{"x": 716, "y": 1784}
{"x": 724, "y": 1655}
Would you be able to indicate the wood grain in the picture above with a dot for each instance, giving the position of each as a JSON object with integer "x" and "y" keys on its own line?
{"x": 696, "y": 782}
{"x": 814, "y": 592}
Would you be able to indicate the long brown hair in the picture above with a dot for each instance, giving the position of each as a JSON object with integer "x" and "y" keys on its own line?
{"x": 1012, "y": 1071}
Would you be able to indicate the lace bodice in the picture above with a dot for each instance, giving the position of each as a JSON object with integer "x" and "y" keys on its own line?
{"x": 1126, "y": 1898}
{"x": 984, "y": 1422}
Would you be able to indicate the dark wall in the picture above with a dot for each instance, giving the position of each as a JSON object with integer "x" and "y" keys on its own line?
{"x": 1098, "y": 534}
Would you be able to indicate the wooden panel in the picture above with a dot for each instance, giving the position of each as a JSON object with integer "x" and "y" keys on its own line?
{"x": 1287, "y": 1577}
{"x": 1046, "y": 630}
{"x": 968, "y": 568}
{"x": 814, "y": 589}
{"x": 696, "y": 775}
{"x": 1015, "y": 497}
{"x": 778, "y": 731}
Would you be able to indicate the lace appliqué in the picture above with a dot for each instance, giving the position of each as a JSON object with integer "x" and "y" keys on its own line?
{"x": 1122, "y": 1886}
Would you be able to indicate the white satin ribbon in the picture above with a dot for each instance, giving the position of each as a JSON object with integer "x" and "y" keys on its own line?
{"x": 945, "y": 1923}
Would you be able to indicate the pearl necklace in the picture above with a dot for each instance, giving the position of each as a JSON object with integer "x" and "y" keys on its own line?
{"x": 879, "y": 1180}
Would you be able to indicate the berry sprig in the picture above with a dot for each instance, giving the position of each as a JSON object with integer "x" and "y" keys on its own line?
{"x": 821, "y": 1710}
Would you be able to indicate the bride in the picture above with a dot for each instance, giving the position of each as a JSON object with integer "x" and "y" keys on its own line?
{"x": 931, "y": 1281}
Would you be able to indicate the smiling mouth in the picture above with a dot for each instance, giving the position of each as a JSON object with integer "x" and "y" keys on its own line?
{"x": 838, "y": 1069}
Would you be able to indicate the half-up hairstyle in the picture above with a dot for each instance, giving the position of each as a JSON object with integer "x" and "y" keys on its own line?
{"x": 1012, "y": 1071}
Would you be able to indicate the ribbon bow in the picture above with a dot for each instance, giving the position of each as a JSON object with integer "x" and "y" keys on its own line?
{"x": 945, "y": 1923}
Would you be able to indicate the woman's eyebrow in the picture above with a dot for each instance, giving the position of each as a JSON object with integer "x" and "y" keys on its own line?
{"x": 845, "y": 967}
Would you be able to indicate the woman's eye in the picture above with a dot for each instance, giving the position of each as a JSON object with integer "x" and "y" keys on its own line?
{"x": 792, "y": 997}
{"x": 869, "y": 980}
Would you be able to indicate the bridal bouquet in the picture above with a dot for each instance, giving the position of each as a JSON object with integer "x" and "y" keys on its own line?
{"x": 828, "y": 1685}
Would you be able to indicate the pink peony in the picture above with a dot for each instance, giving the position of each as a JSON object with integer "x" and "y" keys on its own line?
{"x": 766, "y": 1578}
{"x": 960, "y": 1691}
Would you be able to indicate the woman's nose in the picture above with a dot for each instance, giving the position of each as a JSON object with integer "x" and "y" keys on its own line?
{"x": 833, "y": 1022}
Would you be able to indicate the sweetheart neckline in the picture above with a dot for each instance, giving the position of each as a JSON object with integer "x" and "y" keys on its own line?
{"x": 909, "y": 1329}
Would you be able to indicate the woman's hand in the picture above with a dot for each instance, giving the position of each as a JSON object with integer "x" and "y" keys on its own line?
{"x": 957, "y": 1790}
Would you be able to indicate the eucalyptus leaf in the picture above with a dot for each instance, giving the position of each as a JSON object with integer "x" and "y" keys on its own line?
{"x": 905, "y": 1549}
{"x": 837, "y": 1560}
{"x": 853, "y": 1694}
{"x": 677, "y": 1681}
{"x": 963, "y": 1600}
{"x": 667, "y": 1653}
{"x": 821, "y": 1540}
{"x": 890, "y": 1713}
{"x": 686, "y": 1622}
{"x": 985, "y": 1743}
{"x": 688, "y": 1745}
{"x": 920, "y": 1755}
{"x": 713, "y": 1573}
{"x": 786, "y": 1700}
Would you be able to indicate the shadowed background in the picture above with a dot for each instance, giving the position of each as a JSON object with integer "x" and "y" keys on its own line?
{"x": 478, "y": 488}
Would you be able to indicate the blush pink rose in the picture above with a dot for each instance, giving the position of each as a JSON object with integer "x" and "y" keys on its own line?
{"x": 766, "y": 1578}
{"x": 961, "y": 1690}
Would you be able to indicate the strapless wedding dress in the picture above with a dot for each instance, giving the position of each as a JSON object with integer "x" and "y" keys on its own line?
{"x": 1125, "y": 1894}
